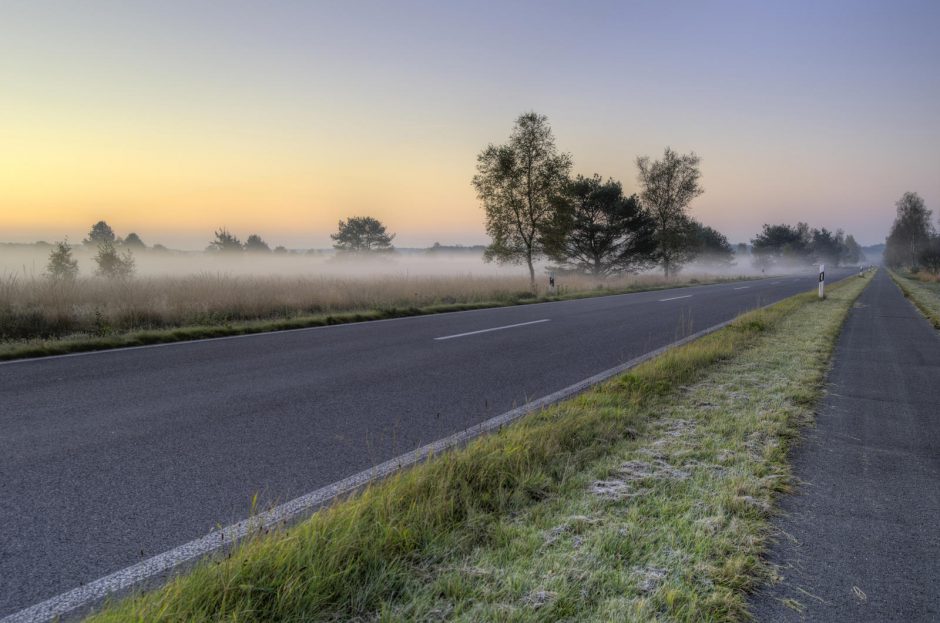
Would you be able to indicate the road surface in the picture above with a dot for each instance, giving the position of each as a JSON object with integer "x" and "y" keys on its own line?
{"x": 109, "y": 458}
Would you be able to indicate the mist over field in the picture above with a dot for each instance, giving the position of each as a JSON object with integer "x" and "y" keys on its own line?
{"x": 30, "y": 261}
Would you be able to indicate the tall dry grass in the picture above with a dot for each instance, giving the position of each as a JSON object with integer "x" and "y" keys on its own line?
{"x": 39, "y": 308}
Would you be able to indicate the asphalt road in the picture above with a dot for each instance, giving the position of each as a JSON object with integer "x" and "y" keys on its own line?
{"x": 112, "y": 457}
{"x": 860, "y": 541}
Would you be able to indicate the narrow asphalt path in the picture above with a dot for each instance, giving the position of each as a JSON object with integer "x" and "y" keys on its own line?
{"x": 110, "y": 458}
{"x": 860, "y": 539}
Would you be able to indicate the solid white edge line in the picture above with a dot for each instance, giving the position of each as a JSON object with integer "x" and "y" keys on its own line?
{"x": 508, "y": 326}
{"x": 675, "y": 298}
{"x": 92, "y": 592}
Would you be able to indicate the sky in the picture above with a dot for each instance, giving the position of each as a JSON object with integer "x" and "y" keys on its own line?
{"x": 172, "y": 119}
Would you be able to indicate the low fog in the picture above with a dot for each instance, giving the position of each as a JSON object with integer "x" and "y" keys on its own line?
{"x": 29, "y": 262}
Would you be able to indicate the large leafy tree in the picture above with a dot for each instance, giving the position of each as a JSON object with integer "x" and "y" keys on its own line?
{"x": 519, "y": 185}
{"x": 362, "y": 234}
{"x": 600, "y": 231}
{"x": 910, "y": 232}
{"x": 668, "y": 186}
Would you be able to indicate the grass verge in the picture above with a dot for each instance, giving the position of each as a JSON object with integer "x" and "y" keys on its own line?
{"x": 924, "y": 294}
{"x": 108, "y": 338}
{"x": 644, "y": 499}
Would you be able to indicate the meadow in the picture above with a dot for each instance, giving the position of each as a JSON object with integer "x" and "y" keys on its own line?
{"x": 185, "y": 296}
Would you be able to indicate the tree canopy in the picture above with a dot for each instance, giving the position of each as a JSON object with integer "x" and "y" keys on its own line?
{"x": 362, "y": 234}
{"x": 598, "y": 230}
{"x": 62, "y": 266}
{"x": 255, "y": 244}
{"x": 709, "y": 246}
{"x": 225, "y": 242}
{"x": 100, "y": 232}
{"x": 668, "y": 186}
{"x": 133, "y": 241}
{"x": 776, "y": 243}
{"x": 114, "y": 265}
{"x": 910, "y": 233}
{"x": 519, "y": 185}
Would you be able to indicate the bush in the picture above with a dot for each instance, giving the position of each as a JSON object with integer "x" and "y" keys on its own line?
{"x": 114, "y": 265}
{"x": 62, "y": 266}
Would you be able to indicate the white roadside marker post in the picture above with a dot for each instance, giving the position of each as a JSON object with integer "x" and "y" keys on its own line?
{"x": 822, "y": 281}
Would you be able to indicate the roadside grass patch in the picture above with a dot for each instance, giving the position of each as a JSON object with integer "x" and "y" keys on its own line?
{"x": 517, "y": 526}
{"x": 923, "y": 291}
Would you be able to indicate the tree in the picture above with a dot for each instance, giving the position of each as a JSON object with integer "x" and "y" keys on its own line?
{"x": 225, "y": 242}
{"x": 113, "y": 265}
{"x": 598, "y": 230}
{"x": 826, "y": 247}
{"x": 781, "y": 242}
{"x": 910, "y": 231}
{"x": 709, "y": 246}
{"x": 929, "y": 256}
{"x": 519, "y": 185}
{"x": 256, "y": 244}
{"x": 133, "y": 241}
{"x": 100, "y": 232}
{"x": 668, "y": 187}
{"x": 280, "y": 250}
{"x": 851, "y": 251}
{"x": 62, "y": 266}
{"x": 362, "y": 234}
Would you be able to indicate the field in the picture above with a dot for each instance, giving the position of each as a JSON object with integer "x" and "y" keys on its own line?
{"x": 645, "y": 499}
{"x": 168, "y": 302}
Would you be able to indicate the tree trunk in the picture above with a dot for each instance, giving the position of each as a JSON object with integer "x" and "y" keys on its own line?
{"x": 528, "y": 260}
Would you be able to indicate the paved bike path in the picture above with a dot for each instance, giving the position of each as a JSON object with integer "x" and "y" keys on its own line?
{"x": 860, "y": 538}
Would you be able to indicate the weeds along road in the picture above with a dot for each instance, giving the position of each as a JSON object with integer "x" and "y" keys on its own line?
{"x": 113, "y": 457}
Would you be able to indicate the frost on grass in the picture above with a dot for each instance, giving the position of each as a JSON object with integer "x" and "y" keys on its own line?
{"x": 575, "y": 525}
{"x": 537, "y": 599}
{"x": 632, "y": 476}
{"x": 649, "y": 578}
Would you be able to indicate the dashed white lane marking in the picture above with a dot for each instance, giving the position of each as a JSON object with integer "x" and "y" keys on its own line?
{"x": 675, "y": 298}
{"x": 508, "y": 326}
{"x": 743, "y": 288}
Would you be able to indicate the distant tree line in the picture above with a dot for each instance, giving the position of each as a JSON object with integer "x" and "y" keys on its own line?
{"x": 913, "y": 242}
{"x": 226, "y": 242}
{"x": 534, "y": 208}
{"x": 783, "y": 243}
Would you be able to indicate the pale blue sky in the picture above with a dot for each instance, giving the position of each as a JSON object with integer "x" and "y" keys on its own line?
{"x": 173, "y": 117}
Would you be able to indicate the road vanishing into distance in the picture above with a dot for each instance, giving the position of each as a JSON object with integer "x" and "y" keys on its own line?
{"x": 110, "y": 458}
